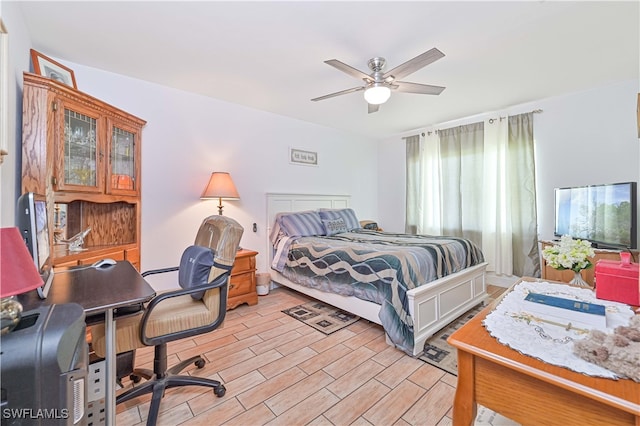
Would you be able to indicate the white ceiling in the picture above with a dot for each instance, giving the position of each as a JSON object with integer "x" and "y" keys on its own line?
{"x": 269, "y": 55}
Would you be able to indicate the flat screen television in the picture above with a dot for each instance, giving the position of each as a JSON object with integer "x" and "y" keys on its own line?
{"x": 33, "y": 223}
{"x": 605, "y": 214}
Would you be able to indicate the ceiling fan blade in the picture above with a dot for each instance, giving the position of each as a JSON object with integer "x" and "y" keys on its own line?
{"x": 425, "y": 89}
{"x": 348, "y": 69}
{"x": 342, "y": 92}
{"x": 413, "y": 65}
{"x": 373, "y": 108}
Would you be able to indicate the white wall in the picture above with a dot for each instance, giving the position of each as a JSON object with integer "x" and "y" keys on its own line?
{"x": 391, "y": 184}
{"x": 189, "y": 136}
{"x": 19, "y": 45}
{"x": 583, "y": 138}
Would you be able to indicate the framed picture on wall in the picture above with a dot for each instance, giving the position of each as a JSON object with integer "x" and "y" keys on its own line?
{"x": 47, "y": 67}
{"x": 302, "y": 157}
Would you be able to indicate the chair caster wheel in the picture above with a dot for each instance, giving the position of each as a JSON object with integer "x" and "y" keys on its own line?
{"x": 220, "y": 391}
{"x": 199, "y": 363}
{"x": 135, "y": 378}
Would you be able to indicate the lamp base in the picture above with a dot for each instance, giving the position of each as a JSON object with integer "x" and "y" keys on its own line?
{"x": 10, "y": 312}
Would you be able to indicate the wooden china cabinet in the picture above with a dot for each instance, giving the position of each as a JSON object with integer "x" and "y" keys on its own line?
{"x": 84, "y": 155}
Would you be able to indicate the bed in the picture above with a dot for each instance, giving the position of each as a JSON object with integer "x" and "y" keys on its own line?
{"x": 423, "y": 305}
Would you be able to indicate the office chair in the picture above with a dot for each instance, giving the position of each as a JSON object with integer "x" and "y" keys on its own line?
{"x": 194, "y": 309}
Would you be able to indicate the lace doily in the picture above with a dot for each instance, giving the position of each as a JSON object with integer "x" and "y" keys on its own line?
{"x": 548, "y": 341}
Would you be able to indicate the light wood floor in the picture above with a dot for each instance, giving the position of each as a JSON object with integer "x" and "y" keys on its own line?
{"x": 279, "y": 371}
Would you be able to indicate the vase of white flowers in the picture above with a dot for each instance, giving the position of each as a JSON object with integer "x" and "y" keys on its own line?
{"x": 570, "y": 254}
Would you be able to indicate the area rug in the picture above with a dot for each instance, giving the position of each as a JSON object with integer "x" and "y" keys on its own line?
{"x": 324, "y": 318}
{"x": 438, "y": 352}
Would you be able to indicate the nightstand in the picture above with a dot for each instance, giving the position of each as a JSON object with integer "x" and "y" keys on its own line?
{"x": 242, "y": 287}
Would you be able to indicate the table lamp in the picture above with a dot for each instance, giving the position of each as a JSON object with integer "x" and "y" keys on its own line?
{"x": 220, "y": 186}
{"x": 18, "y": 274}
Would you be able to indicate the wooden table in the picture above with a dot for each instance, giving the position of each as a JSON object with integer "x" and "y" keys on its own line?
{"x": 530, "y": 391}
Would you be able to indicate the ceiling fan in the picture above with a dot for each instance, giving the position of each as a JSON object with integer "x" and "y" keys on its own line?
{"x": 378, "y": 85}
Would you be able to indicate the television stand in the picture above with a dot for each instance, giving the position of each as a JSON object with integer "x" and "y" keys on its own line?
{"x": 549, "y": 273}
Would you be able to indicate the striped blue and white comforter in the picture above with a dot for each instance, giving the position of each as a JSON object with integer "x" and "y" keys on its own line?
{"x": 379, "y": 267}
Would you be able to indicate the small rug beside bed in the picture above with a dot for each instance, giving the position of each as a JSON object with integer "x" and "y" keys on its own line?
{"x": 438, "y": 352}
{"x": 324, "y": 318}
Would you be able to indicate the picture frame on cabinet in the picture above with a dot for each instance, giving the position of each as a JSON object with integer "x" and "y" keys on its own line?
{"x": 47, "y": 67}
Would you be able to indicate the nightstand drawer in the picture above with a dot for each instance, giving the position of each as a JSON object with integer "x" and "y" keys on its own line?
{"x": 241, "y": 284}
{"x": 243, "y": 265}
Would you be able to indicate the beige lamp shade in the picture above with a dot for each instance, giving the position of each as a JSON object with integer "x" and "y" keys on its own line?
{"x": 220, "y": 186}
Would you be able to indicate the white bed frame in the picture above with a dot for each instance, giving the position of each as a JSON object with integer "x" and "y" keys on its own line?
{"x": 432, "y": 306}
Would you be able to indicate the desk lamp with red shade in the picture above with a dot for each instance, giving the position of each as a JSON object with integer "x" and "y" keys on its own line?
{"x": 18, "y": 274}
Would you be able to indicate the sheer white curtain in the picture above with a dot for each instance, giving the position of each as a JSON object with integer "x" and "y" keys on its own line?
{"x": 424, "y": 211}
{"x": 496, "y": 215}
{"x": 414, "y": 191}
{"x": 478, "y": 181}
{"x": 431, "y": 222}
{"x": 461, "y": 171}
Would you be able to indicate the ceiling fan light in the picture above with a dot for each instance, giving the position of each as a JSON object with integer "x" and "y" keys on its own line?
{"x": 377, "y": 94}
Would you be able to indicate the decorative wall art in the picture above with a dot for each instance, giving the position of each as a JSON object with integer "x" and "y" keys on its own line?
{"x": 47, "y": 67}
{"x": 305, "y": 158}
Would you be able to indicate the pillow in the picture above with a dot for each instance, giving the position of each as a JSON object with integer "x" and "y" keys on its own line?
{"x": 334, "y": 226}
{"x": 195, "y": 266}
{"x": 276, "y": 230}
{"x": 348, "y": 215}
{"x": 302, "y": 224}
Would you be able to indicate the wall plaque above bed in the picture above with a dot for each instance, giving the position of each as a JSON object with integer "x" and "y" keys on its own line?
{"x": 301, "y": 157}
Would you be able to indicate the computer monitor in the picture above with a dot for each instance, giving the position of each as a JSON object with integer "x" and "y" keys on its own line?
{"x": 33, "y": 223}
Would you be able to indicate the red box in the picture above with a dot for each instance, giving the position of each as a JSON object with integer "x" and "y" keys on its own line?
{"x": 618, "y": 282}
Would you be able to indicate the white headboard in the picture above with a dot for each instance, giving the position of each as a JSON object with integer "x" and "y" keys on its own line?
{"x": 277, "y": 203}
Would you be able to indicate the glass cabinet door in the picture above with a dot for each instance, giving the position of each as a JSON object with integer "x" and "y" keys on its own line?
{"x": 122, "y": 175}
{"x": 79, "y": 169}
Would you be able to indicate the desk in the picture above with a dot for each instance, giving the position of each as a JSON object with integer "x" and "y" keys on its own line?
{"x": 530, "y": 391}
{"x": 98, "y": 291}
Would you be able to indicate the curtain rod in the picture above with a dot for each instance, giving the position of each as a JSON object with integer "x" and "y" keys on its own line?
{"x": 491, "y": 121}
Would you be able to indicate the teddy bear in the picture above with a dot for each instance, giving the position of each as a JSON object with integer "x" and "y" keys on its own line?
{"x": 618, "y": 352}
